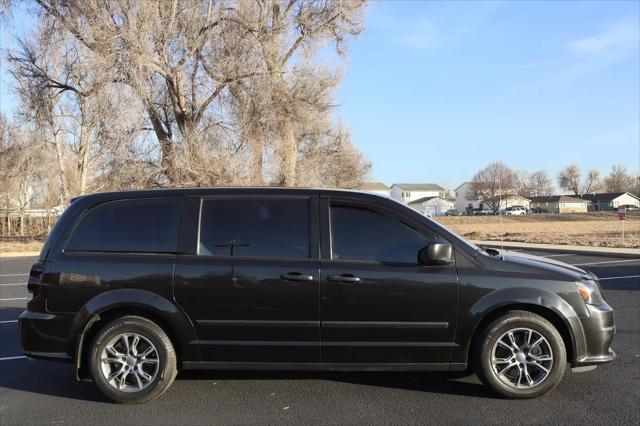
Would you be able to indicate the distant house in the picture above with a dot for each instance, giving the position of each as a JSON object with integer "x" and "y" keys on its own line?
{"x": 607, "y": 201}
{"x": 433, "y": 206}
{"x": 409, "y": 192}
{"x": 375, "y": 188}
{"x": 466, "y": 202}
{"x": 559, "y": 204}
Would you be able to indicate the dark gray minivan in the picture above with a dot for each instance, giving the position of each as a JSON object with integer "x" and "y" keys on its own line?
{"x": 133, "y": 286}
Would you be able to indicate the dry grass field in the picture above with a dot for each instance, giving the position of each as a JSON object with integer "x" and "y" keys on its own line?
{"x": 19, "y": 246}
{"x": 586, "y": 229}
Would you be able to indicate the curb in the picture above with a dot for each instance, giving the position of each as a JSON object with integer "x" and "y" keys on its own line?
{"x": 632, "y": 253}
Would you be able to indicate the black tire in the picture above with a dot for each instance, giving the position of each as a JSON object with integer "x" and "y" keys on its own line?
{"x": 166, "y": 364}
{"x": 513, "y": 320}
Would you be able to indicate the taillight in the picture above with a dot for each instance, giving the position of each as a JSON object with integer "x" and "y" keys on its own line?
{"x": 34, "y": 285}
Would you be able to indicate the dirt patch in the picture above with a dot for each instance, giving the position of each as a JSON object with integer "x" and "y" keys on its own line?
{"x": 593, "y": 229}
{"x": 19, "y": 246}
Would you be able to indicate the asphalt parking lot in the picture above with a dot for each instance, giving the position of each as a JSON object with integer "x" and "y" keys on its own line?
{"x": 40, "y": 392}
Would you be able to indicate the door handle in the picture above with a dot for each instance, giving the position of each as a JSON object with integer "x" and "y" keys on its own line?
{"x": 344, "y": 278}
{"x": 296, "y": 276}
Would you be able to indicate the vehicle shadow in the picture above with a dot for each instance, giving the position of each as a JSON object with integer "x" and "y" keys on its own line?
{"x": 47, "y": 378}
{"x": 9, "y": 313}
{"x": 440, "y": 383}
{"x": 40, "y": 377}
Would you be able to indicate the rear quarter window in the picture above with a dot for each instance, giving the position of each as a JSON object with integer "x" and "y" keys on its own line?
{"x": 148, "y": 225}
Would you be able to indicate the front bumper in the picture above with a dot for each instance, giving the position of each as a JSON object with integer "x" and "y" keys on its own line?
{"x": 597, "y": 331}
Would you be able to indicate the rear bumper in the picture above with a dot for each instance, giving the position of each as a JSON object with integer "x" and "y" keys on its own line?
{"x": 598, "y": 330}
{"x": 42, "y": 335}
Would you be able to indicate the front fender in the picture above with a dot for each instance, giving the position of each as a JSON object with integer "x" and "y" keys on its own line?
{"x": 181, "y": 327}
{"x": 503, "y": 298}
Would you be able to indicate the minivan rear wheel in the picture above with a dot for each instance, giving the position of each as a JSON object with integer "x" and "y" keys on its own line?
{"x": 521, "y": 355}
{"x": 132, "y": 360}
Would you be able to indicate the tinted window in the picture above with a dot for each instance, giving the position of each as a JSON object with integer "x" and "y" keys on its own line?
{"x": 143, "y": 225}
{"x": 360, "y": 234}
{"x": 257, "y": 227}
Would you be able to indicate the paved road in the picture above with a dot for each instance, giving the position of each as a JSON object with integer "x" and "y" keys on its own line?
{"x": 46, "y": 392}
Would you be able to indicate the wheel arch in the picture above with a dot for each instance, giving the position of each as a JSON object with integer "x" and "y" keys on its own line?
{"x": 118, "y": 303}
{"x": 555, "y": 318}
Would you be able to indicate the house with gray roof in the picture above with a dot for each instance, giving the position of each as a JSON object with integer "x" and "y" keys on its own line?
{"x": 375, "y": 188}
{"x": 558, "y": 204}
{"x": 409, "y": 192}
{"x": 431, "y": 206}
{"x": 607, "y": 201}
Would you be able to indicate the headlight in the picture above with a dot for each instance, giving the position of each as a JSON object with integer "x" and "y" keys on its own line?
{"x": 590, "y": 292}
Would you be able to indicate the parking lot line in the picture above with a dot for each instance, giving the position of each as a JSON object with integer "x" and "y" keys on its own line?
{"x": 619, "y": 278}
{"x": 9, "y": 358}
{"x": 9, "y": 284}
{"x": 8, "y": 321}
{"x": 13, "y": 298}
{"x": 608, "y": 261}
{"x": 559, "y": 255}
{"x": 14, "y": 275}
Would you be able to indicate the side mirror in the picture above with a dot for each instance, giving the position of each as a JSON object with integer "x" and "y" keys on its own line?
{"x": 436, "y": 254}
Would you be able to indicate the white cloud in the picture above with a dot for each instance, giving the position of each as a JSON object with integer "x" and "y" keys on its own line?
{"x": 621, "y": 36}
{"x": 435, "y": 25}
{"x": 604, "y": 49}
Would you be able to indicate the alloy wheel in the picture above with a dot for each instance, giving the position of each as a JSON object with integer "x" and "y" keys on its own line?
{"x": 129, "y": 362}
{"x": 522, "y": 358}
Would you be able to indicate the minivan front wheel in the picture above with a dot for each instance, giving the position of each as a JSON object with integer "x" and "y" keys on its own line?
{"x": 521, "y": 355}
{"x": 132, "y": 360}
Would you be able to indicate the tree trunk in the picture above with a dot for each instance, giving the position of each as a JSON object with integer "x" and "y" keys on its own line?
{"x": 84, "y": 160}
{"x": 62, "y": 173}
{"x": 166, "y": 144}
{"x": 287, "y": 154}
{"x": 257, "y": 146}
{"x": 166, "y": 148}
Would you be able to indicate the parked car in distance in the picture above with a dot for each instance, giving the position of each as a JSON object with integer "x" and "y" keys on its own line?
{"x": 515, "y": 210}
{"x": 131, "y": 287}
{"x": 538, "y": 210}
{"x": 630, "y": 207}
{"x": 483, "y": 212}
{"x": 453, "y": 212}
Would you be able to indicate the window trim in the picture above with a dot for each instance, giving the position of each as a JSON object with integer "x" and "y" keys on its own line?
{"x": 375, "y": 208}
{"x": 89, "y": 210}
{"x": 312, "y": 205}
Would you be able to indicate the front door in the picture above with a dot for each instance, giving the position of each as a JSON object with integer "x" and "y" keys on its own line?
{"x": 378, "y": 305}
{"x": 252, "y": 288}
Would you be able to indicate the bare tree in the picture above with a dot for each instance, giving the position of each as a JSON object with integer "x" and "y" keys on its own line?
{"x": 288, "y": 33}
{"x": 539, "y": 184}
{"x": 635, "y": 188}
{"x": 170, "y": 53}
{"x": 332, "y": 161}
{"x": 592, "y": 182}
{"x": 521, "y": 182}
{"x": 570, "y": 179}
{"x": 619, "y": 180}
{"x": 493, "y": 184}
{"x": 23, "y": 169}
{"x": 185, "y": 59}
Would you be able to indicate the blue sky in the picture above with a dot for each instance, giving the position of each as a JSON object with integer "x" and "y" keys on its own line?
{"x": 437, "y": 90}
{"x": 434, "y": 90}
